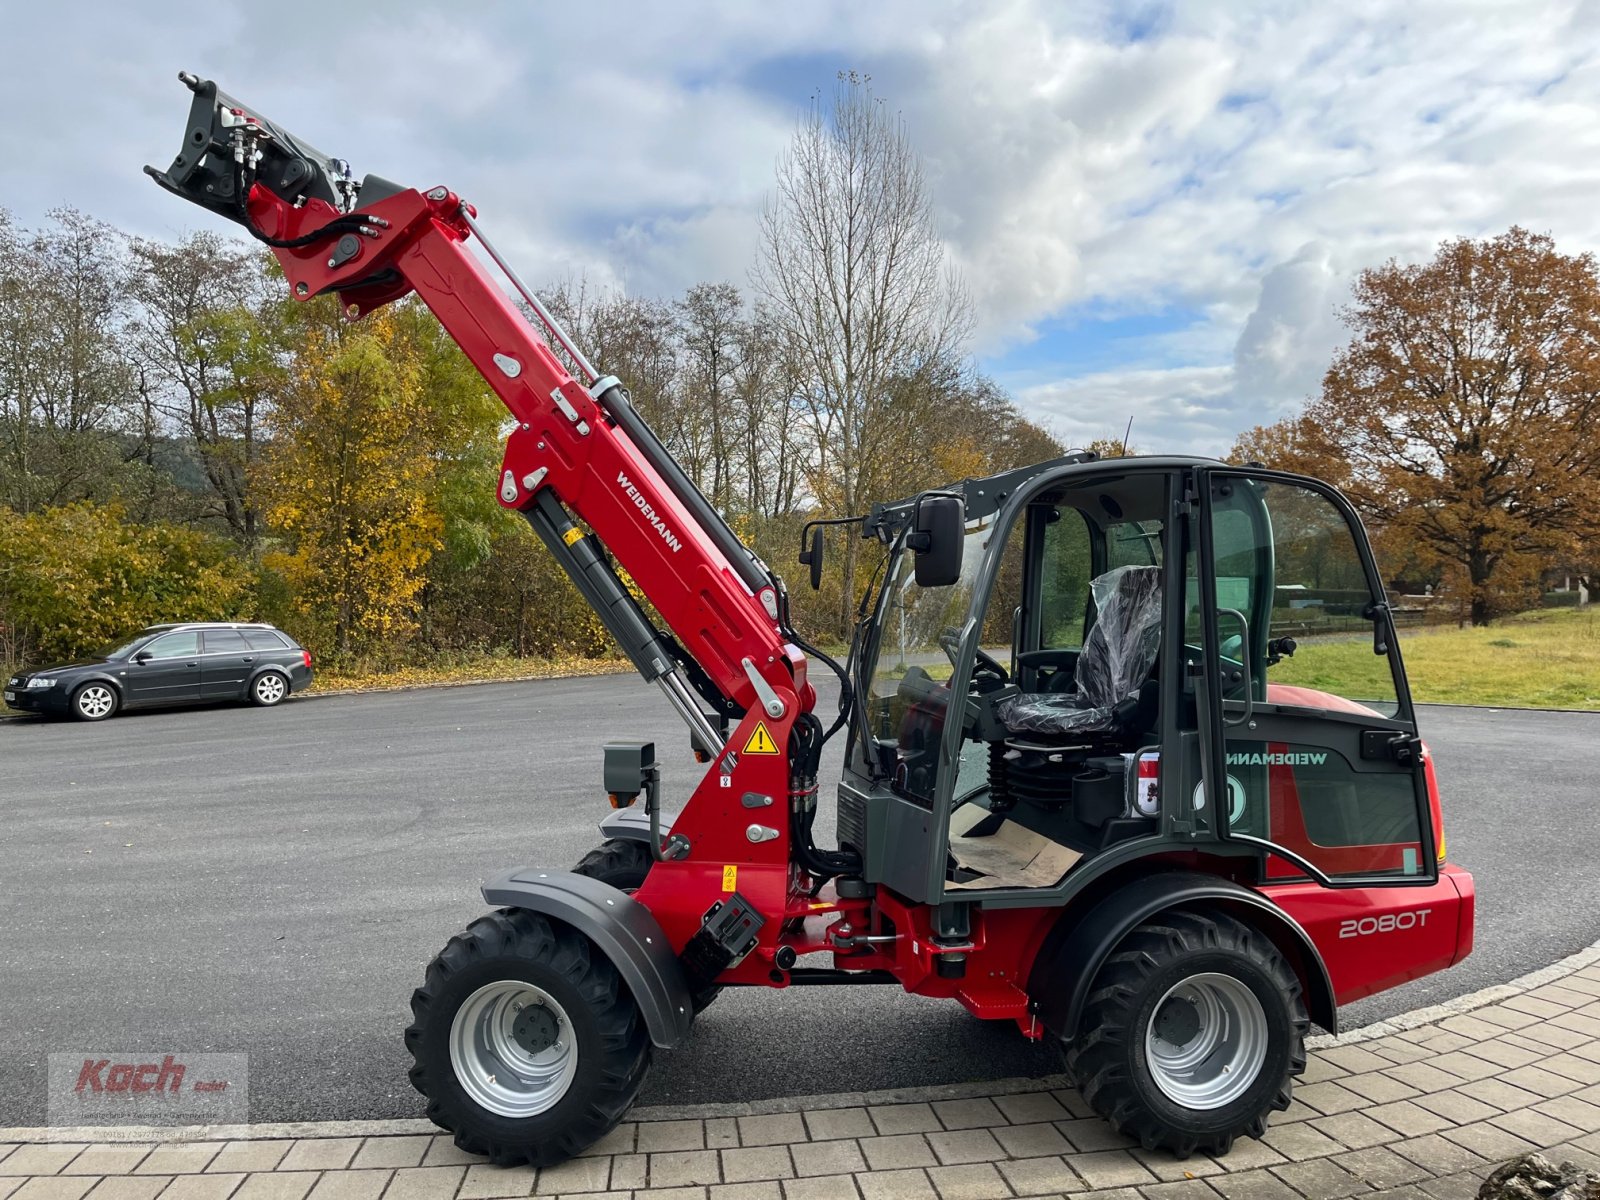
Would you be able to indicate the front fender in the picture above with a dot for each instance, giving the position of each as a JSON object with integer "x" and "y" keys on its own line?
{"x": 622, "y": 929}
{"x": 1072, "y": 953}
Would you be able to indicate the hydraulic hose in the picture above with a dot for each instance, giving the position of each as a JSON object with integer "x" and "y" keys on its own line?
{"x": 807, "y": 739}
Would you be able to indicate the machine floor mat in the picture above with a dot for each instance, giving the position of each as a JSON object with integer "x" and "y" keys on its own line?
{"x": 1010, "y": 856}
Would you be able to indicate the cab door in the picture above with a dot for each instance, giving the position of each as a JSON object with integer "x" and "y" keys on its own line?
{"x": 1309, "y": 741}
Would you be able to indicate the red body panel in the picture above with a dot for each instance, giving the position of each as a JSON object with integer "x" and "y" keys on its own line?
{"x": 1377, "y": 938}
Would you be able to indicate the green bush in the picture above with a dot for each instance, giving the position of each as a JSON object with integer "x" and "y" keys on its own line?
{"x": 1561, "y": 599}
{"x": 76, "y": 578}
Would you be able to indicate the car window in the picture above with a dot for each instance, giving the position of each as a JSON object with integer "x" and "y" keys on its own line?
{"x": 224, "y": 641}
{"x": 175, "y": 645}
{"x": 265, "y": 639}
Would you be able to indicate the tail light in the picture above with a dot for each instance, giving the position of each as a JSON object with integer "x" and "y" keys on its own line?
{"x": 306, "y": 654}
{"x": 1435, "y": 809}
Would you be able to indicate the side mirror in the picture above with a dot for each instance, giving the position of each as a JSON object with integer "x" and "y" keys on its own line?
{"x": 938, "y": 537}
{"x": 811, "y": 555}
{"x": 143, "y": 656}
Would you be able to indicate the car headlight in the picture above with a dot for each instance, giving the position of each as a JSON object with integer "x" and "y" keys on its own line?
{"x": 37, "y": 684}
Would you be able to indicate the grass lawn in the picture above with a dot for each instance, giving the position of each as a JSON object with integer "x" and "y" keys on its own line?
{"x": 1549, "y": 658}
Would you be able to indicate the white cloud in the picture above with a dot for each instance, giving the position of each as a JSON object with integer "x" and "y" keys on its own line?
{"x": 1239, "y": 162}
{"x": 1161, "y": 403}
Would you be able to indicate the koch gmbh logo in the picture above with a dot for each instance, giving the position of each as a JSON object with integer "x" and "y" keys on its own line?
{"x": 148, "y": 1089}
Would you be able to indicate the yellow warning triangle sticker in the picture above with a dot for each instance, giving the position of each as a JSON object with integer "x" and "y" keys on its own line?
{"x": 761, "y": 741}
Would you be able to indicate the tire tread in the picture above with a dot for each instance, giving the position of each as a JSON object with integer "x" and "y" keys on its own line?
{"x": 624, "y": 1042}
{"x": 1097, "y": 1057}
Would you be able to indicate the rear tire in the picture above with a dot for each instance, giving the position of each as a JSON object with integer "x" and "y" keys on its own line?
{"x": 624, "y": 863}
{"x": 95, "y": 702}
{"x": 621, "y": 862}
{"x": 269, "y": 689}
{"x": 1192, "y": 1033}
{"x": 526, "y": 1043}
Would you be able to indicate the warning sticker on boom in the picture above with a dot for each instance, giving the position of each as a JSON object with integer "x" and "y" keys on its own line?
{"x": 761, "y": 741}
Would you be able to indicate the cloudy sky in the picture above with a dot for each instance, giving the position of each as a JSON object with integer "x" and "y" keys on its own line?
{"x": 1157, "y": 207}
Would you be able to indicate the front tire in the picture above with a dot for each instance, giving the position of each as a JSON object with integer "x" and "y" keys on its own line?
{"x": 624, "y": 863}
{"x": 269, "y": 689}
{"x": 95, "y": 702}
{"x": 1193, "y": 1031}
{"x": 526, "y": 1043}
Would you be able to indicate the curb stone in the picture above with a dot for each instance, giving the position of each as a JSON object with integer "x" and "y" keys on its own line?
{"x": 1422, "y": 1109}
{"x": 647, "y": 1114}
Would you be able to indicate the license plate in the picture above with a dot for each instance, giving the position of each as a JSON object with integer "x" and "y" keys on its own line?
{"x": 10, "y": 696}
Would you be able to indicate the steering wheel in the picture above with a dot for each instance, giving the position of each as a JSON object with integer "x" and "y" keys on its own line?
{"x": 950, "y": 643}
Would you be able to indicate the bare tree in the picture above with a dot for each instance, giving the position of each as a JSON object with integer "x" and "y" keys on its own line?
{"x": 62, "y": 377}
{"x": 210, "y": 354}
{"x": 854, "y": 272}
{"x": 711, "y": 317}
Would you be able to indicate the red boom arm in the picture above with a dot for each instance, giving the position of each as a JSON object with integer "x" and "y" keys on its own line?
{"x": 564, "y": 440}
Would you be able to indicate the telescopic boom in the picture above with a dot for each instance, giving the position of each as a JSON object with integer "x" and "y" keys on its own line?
{"x": 579, "y": 450}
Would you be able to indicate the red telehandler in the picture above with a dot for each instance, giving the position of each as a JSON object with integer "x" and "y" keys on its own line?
{"x": 1071, "y": 799}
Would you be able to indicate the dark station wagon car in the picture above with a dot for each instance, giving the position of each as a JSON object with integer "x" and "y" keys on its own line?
{"x": 195, "y": 662}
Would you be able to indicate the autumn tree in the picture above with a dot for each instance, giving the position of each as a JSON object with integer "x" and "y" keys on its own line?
{"x": 76, "y": 577}
{"x": 352, "y": 477}
{"x": 854, "y": 272}
{"x": 1291, "y": 444}
{"x": 1467, "y": 406}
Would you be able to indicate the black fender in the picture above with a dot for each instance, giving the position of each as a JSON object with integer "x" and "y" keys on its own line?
{"x": 624, "y": 931}
{"x": 632, "y": 824}
{"x": 1082, "y": 939}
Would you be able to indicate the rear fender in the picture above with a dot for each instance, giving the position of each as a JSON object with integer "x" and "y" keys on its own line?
{"x": 623, "y": 930}
{"x": 630, "y": 825}
{"x": 1082, "y": 939}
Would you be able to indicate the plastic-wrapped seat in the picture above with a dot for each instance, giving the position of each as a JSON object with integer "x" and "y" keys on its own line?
{"x": 1114, "y": 664}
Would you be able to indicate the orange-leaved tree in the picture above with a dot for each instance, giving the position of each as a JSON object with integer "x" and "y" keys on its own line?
{"x": 351, "y": 479}
{"x": 1466, "y": 410}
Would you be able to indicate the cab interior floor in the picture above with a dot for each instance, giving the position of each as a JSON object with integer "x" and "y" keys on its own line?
{"x": 994, "y": 852}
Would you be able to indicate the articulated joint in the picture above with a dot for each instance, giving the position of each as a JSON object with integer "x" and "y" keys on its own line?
{"x": 769, "y": 698}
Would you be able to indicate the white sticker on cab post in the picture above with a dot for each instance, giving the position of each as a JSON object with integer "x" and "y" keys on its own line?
{"x": 1146, "y": 800}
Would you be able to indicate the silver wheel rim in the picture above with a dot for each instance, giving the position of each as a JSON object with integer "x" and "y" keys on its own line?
{"x": 269, "y": 689}
{"x": 1206, "y": 1041}
{"x": 95, "y": 701}
{"x": 512, "y": 1048}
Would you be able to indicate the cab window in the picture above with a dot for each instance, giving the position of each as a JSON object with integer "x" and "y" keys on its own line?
{"x": 1066, "y": 566}
{"x": 1290, "y": 577}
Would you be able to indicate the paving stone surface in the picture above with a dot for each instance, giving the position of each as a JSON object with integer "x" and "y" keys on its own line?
{"x": 1419, "y": 1113}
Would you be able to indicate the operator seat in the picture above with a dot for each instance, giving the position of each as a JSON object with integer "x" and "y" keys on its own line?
{"x": 1113, "y": 669}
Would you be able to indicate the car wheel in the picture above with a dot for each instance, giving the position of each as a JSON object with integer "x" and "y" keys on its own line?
{"x": 624, "y": 863}
{"x": 1193, "y": 1031}
{"x": 526, "y": 1043}
{"x": 269, "y": 688}
{"x": 94, "y": 702}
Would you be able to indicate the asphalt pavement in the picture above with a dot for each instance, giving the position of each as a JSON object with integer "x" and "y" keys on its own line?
{"x": 274, "y": 882}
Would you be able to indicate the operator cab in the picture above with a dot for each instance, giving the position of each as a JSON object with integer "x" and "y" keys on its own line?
{"x": 1066, "y": 653}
